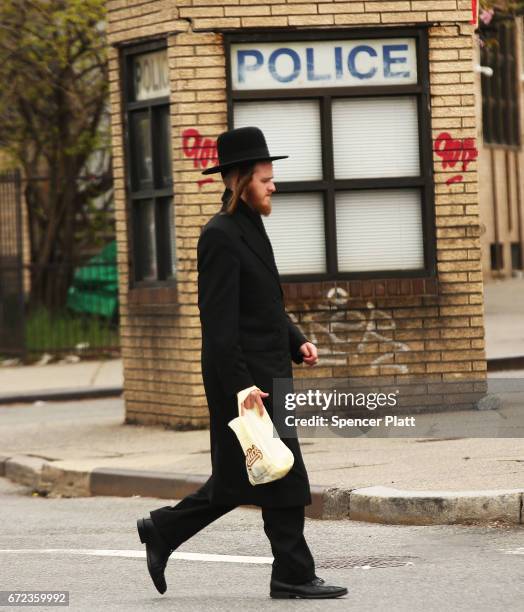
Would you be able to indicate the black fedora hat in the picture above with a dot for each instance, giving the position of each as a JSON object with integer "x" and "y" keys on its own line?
{"x": 239, "y": 146}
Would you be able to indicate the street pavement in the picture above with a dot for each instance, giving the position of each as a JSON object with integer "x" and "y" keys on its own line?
{"x": 90, "y": 548}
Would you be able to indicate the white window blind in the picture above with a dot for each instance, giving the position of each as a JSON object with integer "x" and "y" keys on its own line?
{"x": 296, "y": 230}
{"x": 379, "y": 230}
{"x": 375, "y": 137}
{"x": 291, "y": 128}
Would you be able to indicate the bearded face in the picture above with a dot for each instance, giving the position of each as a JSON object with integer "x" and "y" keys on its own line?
{"x": 260, "y": 189}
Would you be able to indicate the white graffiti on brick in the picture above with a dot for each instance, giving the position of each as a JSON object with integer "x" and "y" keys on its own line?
{"x": 330, "y": 319}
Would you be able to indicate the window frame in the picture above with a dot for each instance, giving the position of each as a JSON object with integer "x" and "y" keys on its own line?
{"x": 496, "y": 254}
{"x": 329, "y": 185}
{"x": 159, "y": 195}
{"x": 499, "y": 93}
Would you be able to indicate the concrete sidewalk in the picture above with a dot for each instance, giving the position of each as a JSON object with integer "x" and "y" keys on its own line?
{"x": 61, "y": 380}
{"x": 83, "y": 448}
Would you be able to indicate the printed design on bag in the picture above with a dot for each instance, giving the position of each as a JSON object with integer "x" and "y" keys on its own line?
{"x": 253, "y": 454}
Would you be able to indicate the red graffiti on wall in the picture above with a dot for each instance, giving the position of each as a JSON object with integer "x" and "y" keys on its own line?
{"x": 202, "y": 150}
{"x": 454, "y": 151}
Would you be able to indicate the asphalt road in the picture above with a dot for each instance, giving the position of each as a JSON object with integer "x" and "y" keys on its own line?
{"x": 101, "y": 562}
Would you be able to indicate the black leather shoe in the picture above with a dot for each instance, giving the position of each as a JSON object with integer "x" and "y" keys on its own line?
{"x": 157, "y": 552}
{"x": 314, "y": 589}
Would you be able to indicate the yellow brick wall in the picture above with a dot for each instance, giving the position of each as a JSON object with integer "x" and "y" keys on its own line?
{"x": 396, "y": 327}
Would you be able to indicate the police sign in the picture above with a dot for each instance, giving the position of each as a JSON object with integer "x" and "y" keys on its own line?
{"x": 341, "y": 63}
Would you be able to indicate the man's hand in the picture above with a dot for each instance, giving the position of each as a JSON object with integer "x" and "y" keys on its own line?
{"x": 309, "y": 351}
{"x": 254, "y": 399}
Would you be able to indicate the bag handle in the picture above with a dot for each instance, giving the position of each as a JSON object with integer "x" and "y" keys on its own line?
{"x": 241, "y": 396}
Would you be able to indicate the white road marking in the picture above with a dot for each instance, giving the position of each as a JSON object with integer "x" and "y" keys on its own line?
{"x": 515, "y": 551}
{"x": 141, "y": 554}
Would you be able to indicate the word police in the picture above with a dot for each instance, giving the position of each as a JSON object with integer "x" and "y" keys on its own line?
{"x": 324, "y": 63}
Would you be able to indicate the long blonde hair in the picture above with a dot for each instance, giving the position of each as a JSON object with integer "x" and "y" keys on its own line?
{"x": 245, "y": 174}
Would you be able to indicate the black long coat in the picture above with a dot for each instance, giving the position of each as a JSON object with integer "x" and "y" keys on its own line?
{"x": 247, "y": 339}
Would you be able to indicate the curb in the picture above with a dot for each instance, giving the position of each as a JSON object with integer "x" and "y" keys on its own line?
{"x": 376, "y": 504}
{"x": 60, "y": 395}
{"x": 24, "y": 469}
{"x": 127, "y": 483}
{"x": 397, "y": 507}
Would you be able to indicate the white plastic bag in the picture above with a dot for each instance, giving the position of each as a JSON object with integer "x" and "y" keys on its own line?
{"x": 267, "y": 457}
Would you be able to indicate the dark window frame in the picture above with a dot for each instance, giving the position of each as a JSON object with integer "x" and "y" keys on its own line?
{"x": 328, "y": 185}
{"x": 500, "y": 96}
{"x": 517, "y": 261}
{"x": 496, "y": 255}
{"x": 162, "y": 195}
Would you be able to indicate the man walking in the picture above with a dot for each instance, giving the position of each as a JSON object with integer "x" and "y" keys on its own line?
{"x": 247, "y": 341}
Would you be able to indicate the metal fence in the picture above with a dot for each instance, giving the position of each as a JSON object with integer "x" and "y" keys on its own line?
{"x": 84, "y": 321}
{"x": 11, "y": 266}
{"x": 67, "y": 308}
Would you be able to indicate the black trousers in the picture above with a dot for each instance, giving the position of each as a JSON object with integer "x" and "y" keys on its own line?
{"x": 284, "y": 527}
